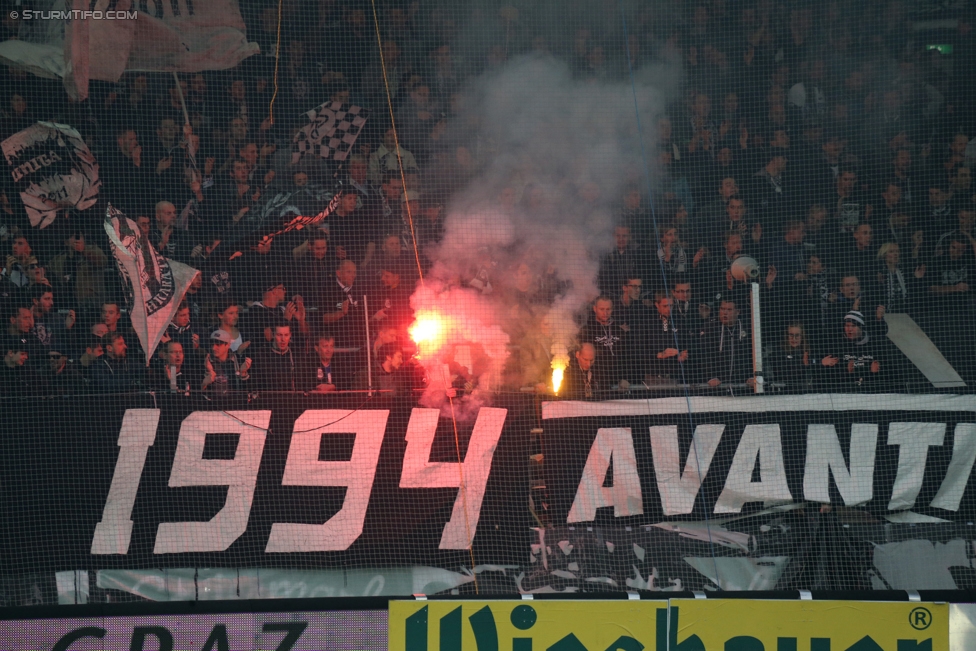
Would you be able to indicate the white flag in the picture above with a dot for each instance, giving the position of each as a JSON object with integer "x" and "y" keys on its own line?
{"x": 104, "y": 38}
{"x": 53, "y": 170}
{"x": 155, "y": 285}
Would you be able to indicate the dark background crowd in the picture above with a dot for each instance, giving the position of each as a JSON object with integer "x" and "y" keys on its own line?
{"x": 821, "y": 150}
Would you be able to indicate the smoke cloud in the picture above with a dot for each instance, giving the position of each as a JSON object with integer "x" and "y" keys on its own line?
{"x": 524, "y": 236}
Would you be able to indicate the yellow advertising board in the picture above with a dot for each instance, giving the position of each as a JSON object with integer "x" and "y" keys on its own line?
{"x": 537, "y": 625}
{"x": 750, "y": 625}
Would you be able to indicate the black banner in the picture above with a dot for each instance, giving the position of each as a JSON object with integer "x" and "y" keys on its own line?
{"x": 750, "y": 493}
{"x": 278, "y": 481}
{"x": 713, "y": 457}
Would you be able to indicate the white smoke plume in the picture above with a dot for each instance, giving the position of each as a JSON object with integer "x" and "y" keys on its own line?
{"x": 555, "y": 155}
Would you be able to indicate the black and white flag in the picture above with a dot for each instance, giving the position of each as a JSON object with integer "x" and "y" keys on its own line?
{"x": 331, "y": 131}
{"x": 53, "y": 170}
{"x": 155, "y": 285}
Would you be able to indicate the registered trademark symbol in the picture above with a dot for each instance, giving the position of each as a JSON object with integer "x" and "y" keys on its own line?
{"x": 920, "y": 618}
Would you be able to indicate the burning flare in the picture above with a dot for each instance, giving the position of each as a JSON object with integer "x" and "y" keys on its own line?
{"x": 428, "y": 332}
{"x": 558, "y": 368}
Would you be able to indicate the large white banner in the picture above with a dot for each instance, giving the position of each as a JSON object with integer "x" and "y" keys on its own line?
{"x": 101, "y": 39}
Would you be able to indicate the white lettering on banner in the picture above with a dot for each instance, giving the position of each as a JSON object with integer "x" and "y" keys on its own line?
{"x": 913, "y": 440}
{"x": 762, "y": 441}
{"x": 240, "y": 474}
{"x": 470, "y": 476}
{"x": 303, "y": 468}
{"x": 960, "y": 467}
{"x": 614, "y": 444}
{"x": 138, "y": 433}
{"x": 824, "y": 457}
{"x": 678, "y": 490}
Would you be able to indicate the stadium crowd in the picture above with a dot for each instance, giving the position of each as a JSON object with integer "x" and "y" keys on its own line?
{"x": 826, "y": 142}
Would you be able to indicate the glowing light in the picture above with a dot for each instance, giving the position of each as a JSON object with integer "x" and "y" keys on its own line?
{"x": 557, "y": 376}
{"x": 428, "y": 332}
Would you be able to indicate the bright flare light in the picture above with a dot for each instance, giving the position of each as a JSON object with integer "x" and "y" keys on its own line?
{"x": 557, "y": 375}
{"x": 427, "y": 332}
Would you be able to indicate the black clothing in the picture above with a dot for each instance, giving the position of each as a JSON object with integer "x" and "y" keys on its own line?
{"x": 610, "y": 343}
{"x": 727, "y": 353}
{"x": 579, "y": 384}
{"x": 275, "y": 370}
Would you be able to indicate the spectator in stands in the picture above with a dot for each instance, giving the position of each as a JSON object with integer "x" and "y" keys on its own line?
{"x": 581, "y": 378}
{"x": 320, "y": 373}
{"x": 667, "y": 344}
{"x": 899, "y": 291}
{"x": 167, "y": 375}
{"x": 861, "y": 256}
{"x": 51, "y": 329}
{"x": 223, "y": 371}
{"x": 389, "y": 158}
{"x": 789, "y": 255}
{"x": 21, "y": 260}
{"x": 390, "y": 302}
{"x": 671, "y": 257}
{"x": 22, "y": 336}
{"x": 849, "y": 207}
{"x": 315, "y": 269}
{"x": 939, "y": 216}
{"x": 180, "y": 330}
{"x": 688, "y": 314}
{"x": 112, "y": 372}
{"x": 351, "y": 231}
{"x": 623, "y": 261}
{"x": 849, "y": 299}
{"x": 17, "y": 378}
{"x": 727, "y": 348}
{"x": 771, "y": 195}
{"x": 342, "y": 312}
{"x": 386, "y": 376}
{"x": 263, "y": 315}
{"x": 165, "y": 237}
{"x": 901, "y": 165}
{"x": 126, "y": 180}
{"x": 950, "y": 296}
{"x": 632, "y": 315}
{"x": 608, "y": 338}
{"x": 77, "y": 273}
{"x": 854, "y": 361}
{"x": 277, "y": 365}
{"x": 227, "y": 319}
{"x": 792, "y": 363}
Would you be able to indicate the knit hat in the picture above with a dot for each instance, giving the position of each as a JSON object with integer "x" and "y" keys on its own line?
{"x": 855, "y": 316}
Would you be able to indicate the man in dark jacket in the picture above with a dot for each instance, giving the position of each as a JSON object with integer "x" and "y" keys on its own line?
{"x": 581, "y": 379}
{"x": 276, "y": 367}
{"x": 856, "y": 360}
{"x": 727, "y": 348}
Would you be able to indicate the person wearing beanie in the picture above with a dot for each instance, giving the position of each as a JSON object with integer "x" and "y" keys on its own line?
{"x": 855, "y": 360}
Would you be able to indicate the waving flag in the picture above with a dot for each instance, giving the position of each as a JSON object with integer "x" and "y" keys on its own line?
{"x": 53, "y": 169}
{"x": 154, "y": 285}
{"x": 101, "y": 40}
{"x": 331, "y": 131}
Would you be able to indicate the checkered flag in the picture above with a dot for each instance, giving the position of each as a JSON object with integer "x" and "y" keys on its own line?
{"x": 331, "y": 131}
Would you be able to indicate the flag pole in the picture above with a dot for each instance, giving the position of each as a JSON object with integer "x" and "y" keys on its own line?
{"x": 186, "y": 117}
{"x": 369, "y": 350}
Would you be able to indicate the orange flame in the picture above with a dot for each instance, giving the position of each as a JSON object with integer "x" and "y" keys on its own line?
{"x": 558, "y": 369}
{"x": 428, "y": 332}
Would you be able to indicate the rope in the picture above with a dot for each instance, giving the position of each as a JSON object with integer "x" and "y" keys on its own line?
{"x": 396, "y": 138}
{"x": 277, "y": 57}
